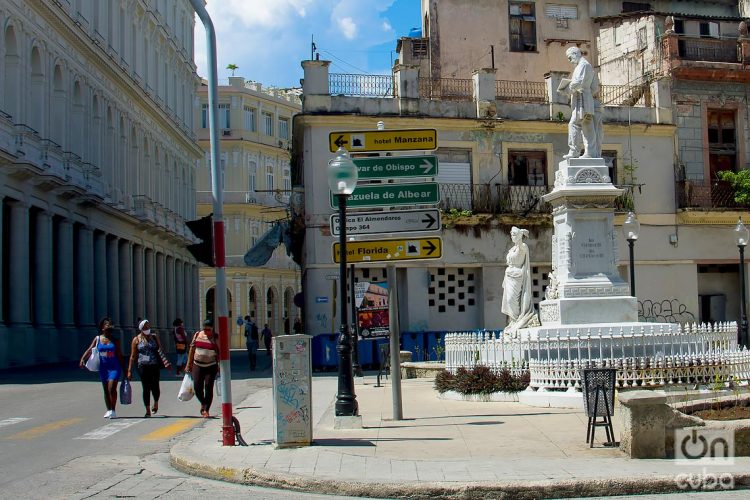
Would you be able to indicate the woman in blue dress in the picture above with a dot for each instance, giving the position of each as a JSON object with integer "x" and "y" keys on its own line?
{"x": 110, "y": 363}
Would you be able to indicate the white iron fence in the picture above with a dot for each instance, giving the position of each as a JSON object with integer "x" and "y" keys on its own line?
{"x": 644, "y": 355}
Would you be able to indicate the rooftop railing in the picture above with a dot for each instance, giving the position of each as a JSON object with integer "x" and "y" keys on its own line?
{"x": 361, "y": 85}
{"x": 708, "y": 49}
{"x": 446, "y": 89}
{"x": 509, "y": 90}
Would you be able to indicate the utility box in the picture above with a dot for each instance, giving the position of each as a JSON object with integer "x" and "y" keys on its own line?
{"x": 292, "y": 390}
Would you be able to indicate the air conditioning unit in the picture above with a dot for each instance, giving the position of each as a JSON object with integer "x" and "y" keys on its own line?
{"x": 226, "y": 133}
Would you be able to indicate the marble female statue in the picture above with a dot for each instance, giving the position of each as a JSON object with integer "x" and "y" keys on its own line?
{"x": 517, "y": 293}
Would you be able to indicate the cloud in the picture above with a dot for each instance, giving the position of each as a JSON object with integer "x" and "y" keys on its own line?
{"x": 348, "y": 28}
{"x": 269, "y": 39}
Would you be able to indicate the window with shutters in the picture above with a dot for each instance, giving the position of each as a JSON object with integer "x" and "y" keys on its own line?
{"x": 251, "y": 170}
{"x": 269, "y": 177}
{"x": 204, "y": 116}
{"x": 522, "y": 21}
{"x": 283, "y": 128}
{"x": 287, "y": 180}
{"x": 722, "y": 141}
{"x": 249, "y": 115}
{"x": 555, "y": 11}
{"x": 224, "y": 116}
{"x": 268, "y": 123}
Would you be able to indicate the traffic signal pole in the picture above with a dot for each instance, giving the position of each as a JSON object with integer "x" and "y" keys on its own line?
{"x": 222, "y": 326}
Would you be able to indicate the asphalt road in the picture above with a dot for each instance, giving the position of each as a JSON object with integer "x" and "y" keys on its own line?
{"x": 55, "y": 443}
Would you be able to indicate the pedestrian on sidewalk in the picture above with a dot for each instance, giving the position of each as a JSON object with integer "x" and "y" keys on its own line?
{"x": 203, "y": 364}
{"x": 145, "y": 348}
{"x": 267, "y": 335}
{"x": 251, "y": 342}
{"x": 180, "y": 345}
{"x": 111, "y": 363}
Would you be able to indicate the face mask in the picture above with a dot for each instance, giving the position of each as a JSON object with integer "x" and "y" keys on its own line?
{"x": 147, "y": 332}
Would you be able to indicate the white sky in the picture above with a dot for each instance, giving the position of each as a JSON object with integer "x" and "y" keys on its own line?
{"x": 268, "y": 39}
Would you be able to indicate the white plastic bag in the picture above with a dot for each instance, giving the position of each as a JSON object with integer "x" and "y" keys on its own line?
{"x": 218, "y": 385}
{"x": 92, "y": 364}
{"x": 187, "y": 391}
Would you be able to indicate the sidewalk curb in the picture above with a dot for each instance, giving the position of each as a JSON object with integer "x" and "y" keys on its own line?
{"x": 521, "y": 490}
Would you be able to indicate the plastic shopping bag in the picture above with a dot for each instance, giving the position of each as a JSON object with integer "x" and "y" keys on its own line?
{"x": 126, "y": 392}
{"x": 92, "y": 364}
{"x": 187, "y": 391}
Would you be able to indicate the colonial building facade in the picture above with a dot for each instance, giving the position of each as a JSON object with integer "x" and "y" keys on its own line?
{"x": 255, "y": 133}
{"x": 502, "y": 130}
{"x": 98, "y": 164}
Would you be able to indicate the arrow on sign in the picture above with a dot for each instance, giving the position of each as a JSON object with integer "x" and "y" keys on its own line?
{"x": 340, "y": 141}
{"x": 426, "y": 167}
{"x": 430, "y": 220}
{"x": 429, "y": 246}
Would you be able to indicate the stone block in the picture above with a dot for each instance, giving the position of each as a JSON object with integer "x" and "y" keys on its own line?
{"x": 643, "y": 419}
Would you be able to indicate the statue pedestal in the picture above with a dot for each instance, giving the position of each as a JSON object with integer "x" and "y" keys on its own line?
{"x": 586, "y": 286}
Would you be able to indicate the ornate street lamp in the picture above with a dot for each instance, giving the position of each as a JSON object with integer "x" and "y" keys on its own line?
{"x": 342, "y": 179}
{"x": 630, "y": 229}
{"x": 742, "y": 235}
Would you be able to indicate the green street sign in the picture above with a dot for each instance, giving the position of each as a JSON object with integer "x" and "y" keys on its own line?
{"x": 390, "y": 167}
{"x": 391, "y": 195}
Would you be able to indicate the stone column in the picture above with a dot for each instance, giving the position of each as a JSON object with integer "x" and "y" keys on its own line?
{"x": 139, "y": 292}
{"x": 64, "y": 265}
{"x": 179, "y": 284}
{"x": 86, "y": 286}
{"x": 113, "y": 274}
{"x": 485, "y": 92}
{"x": 170, "y": 291}
{"x": 4, "y": 339}
{"x": 161, "y": 299}
{"x": 21, "y": 343}
{"x": 101, "y": 307}
{"x": 126, "y": 286}
{"x": 46, "y": 346}
{"x": 150, "y": 286}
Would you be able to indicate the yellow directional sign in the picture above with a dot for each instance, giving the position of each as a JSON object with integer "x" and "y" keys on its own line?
{"x": 384, "y": 140}
{"x": 391, "y": 250}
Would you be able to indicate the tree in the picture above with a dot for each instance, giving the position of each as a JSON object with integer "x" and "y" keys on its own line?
{"x": 233, "y": 67}
{"x": 740, "y": 182}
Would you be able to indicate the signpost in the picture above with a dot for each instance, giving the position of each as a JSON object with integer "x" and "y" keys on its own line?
{"x": 391, "y": 195}
{"x": 384, "y": 140}
{"x": 389, "y": 250}
{"x": 389, "y": 167}
{"x": 400, "y": 221}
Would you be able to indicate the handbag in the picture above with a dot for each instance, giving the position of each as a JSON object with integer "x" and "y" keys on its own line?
{"x": 187, "y": 391}
{"x": 92, "y": 364}
{"x": 126, "y": 392}
{"x": 164, "y": 360}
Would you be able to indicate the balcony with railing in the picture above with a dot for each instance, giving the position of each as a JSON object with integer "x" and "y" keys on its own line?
{"x": 705, "y": 195}
{"x": 687, "y": 56}
{"x": 505, "y": 199}
{"x": 446, "y": 89}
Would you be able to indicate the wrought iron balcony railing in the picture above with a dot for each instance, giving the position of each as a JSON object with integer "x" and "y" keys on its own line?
{"x": 509, "y": 199}
{"x": 361, "y": 85}
{"x": 702, "y": 194}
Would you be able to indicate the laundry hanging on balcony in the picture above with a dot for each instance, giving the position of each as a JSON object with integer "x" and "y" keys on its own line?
{"x": 261, "y": 252}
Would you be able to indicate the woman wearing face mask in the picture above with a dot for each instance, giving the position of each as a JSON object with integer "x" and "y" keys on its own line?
{"x": 145, "y": 348}
{"x": 110, "y": 363}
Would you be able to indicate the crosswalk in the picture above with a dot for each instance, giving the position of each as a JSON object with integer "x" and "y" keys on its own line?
{"x": 164, "y": 431}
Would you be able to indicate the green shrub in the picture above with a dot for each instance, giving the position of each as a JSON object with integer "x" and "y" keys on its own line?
{"x": 480, "y": 380}
{"x": 444, "y": 381}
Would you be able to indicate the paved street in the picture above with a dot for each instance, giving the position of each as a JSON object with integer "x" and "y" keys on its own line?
{"x": 55, "y": 443}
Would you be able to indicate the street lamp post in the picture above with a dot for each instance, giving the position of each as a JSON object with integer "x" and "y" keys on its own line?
{"x": 742, "y": 234}
{"x": 342, "y": 179}
{"x": 630, "y": 229}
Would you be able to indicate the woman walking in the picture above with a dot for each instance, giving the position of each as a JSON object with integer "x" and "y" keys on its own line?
{"x": 145, "y": 348}
{"x": 203, "y": 364}
{"x": 180, "y": 345}
{"x": 110, "y": 363}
